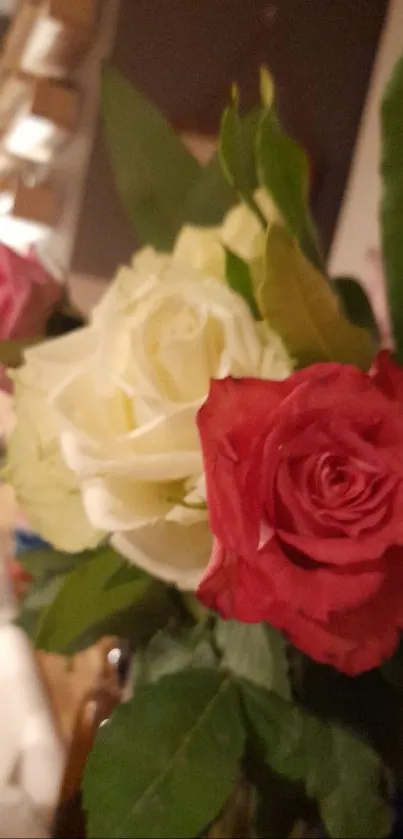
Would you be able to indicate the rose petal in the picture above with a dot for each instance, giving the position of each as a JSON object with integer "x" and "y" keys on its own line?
{"x": 96, "y": 443}
{"x": 361, "y": 639}
{"x": 323, "y": 643}
{"x": 340, "y": 552}
{"x": 237, "y": 587}
{"x": 229, "y": 587}
{"x": 46, "y": 489}
{"x": 232, "y": 462}
{"x": 117, "y": 504}
{"x": 387, "y": 376}
{"x": 183, "y": 558}
{"x": 141, "y": 467}
{"x": 238, "y": 408}
{"x": 319, "y": 589}
{"x": 50, "y": 364}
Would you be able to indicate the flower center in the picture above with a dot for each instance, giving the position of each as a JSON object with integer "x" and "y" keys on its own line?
{"x": 184, "y": 324}
{"x": 335, "y": 477}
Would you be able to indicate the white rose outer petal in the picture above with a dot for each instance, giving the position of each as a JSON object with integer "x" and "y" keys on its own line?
{"x": 166, "y": 449}
{"x": 7, "y": 416}
{"x": 172, "y": 552}
{"x": 124, "y": 505}
{"x": 201, "y": 248}
{"x": 48, "y": 492}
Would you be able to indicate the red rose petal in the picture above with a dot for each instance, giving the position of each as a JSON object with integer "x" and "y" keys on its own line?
{"x": 232, "y": 460}
{"x": 343, "y": 551}
{"x": 324, "y": 643}
{"x": 316, "y": 589}
{"x": 239, "y": 407}
{"x": 387, "y": 376}
{"x": 229, "y": 587}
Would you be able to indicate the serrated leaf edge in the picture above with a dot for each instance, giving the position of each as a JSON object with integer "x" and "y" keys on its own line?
{"x": 184, "y": 744}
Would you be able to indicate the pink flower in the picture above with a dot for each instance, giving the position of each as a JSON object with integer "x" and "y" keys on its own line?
{"x": 28, "y": 295}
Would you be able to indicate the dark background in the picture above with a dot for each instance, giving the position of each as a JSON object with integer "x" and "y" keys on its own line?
{"x": 184, "y": 54}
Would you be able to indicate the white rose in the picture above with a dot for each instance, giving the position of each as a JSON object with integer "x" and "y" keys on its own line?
{"x": 46, "y": 489}
{"x": 243, "y": 233}
{"x": 201, "y": 248}
{"x": 127, "y": 416}
{"x": 7, "y": 416}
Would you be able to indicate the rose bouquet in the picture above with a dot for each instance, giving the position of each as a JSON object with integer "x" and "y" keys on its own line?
{"x": 216, "y": 461}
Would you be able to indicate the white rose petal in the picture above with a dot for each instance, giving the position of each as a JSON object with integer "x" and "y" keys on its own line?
{"x": 122, "y": 296}
{"x": 95, "y": 442}
{"x": 242, "y": 232}
{"x": 46, "y": 489}
{"x": 7, "y": 416}
{"x": 48, "y": 492}
{"x": 193, "y": 507}
{"x": 48, "y": 364}
{"x": 116, "y": 504}
{"x": 201, "y": 248}
{"x": 186, "y": 551}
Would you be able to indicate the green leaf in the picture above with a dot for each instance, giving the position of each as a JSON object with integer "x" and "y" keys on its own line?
{"x": 95, "y": 591}
{"x": 210, "y": 197}
{"x": 237, "y": 153}
{"x": 153, "y": 170}
{"x": 239, "y": 279}
{"x": 168, "y": 652}
{"x": 364, "y": 704}
{"x": 39, "y": 597}
{"x": 392, "y": 201}
{"x": 138, "y": 622}
{"x": 49, "y": 569}
{"x": 161, "y": 184}
{"x": 284, "y": 170}
{"x": 167, "y": 761}
{"x": 199, "y": 613}
{"x": 355, "y": 303}
{"x": 298, "y": 303}
{"x": 355, "y": 807}
{"x": 341, "y": 772}
{"x": 256, "y": 652}
{"x": 46, "y": 562}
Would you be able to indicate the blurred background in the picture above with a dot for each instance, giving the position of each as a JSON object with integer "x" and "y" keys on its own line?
{"x": 58, "y": 201}
{"x": 325, "y": 58}
{"x": 185, "y": 56}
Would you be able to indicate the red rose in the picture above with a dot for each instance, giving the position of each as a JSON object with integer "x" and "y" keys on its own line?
{"x": 305, "y": 492}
